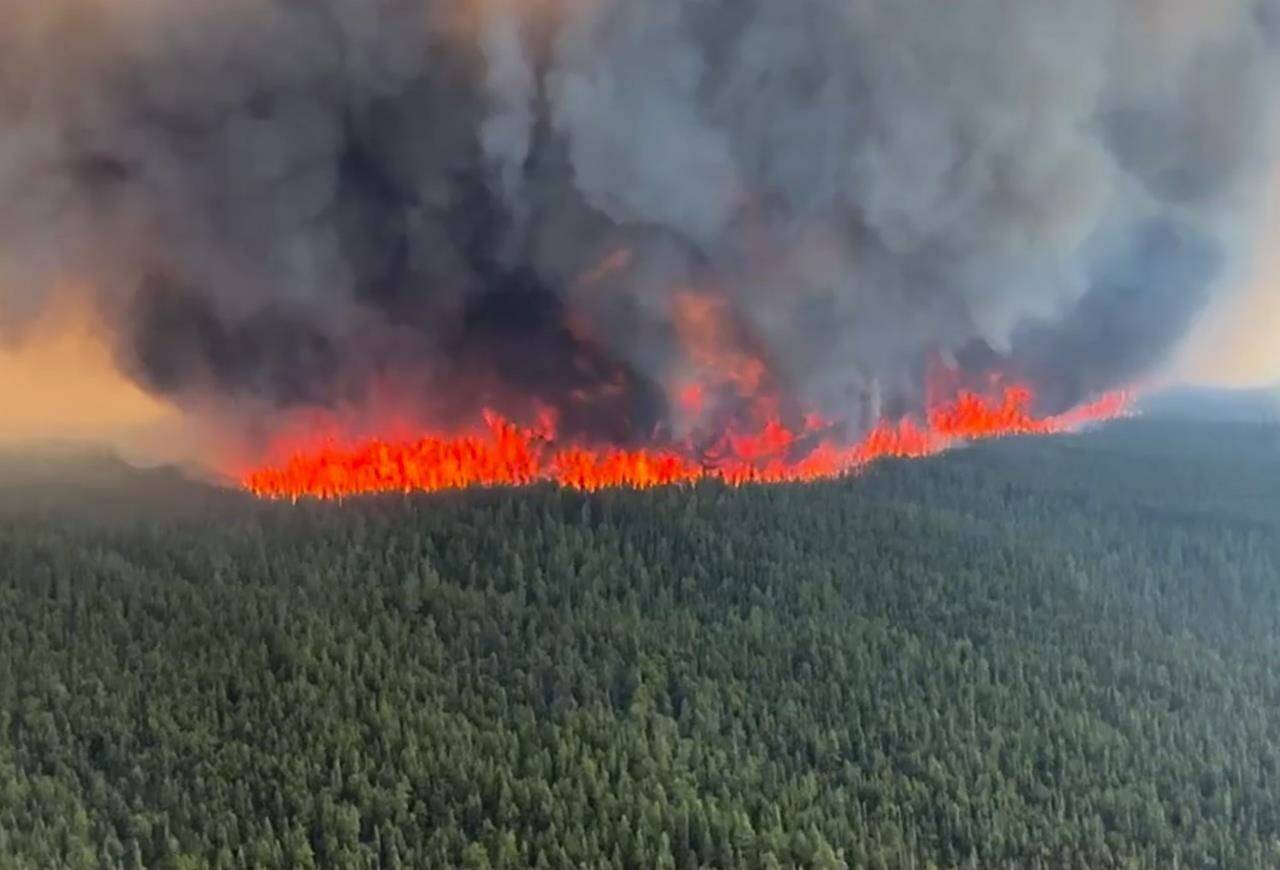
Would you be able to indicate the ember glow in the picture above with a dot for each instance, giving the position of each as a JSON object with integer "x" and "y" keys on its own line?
{"x": 504, "y": 454}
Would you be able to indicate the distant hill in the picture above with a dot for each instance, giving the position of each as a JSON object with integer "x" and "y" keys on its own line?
{"x": 1209, "y": 403}
{"x": 76, "y": 478}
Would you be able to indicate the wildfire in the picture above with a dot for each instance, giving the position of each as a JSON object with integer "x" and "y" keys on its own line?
{"x": 504, "y": 454}
{"x": 715, "y": 344}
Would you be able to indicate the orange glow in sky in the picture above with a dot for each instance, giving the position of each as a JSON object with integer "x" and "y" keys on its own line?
{"x": 1239, "y": 342}
{"x": 60, "y": 383}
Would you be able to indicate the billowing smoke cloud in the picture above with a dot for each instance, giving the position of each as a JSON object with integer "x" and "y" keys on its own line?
{"x": 277, "y": 203}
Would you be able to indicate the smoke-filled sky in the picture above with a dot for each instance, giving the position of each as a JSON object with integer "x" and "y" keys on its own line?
{"x": 271, "y": 206}
{"x": 1238, "y": 341}
{"x": 60, "y": 383}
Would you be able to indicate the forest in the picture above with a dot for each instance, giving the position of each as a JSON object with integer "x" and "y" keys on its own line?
{"x": 1037, "y": 653}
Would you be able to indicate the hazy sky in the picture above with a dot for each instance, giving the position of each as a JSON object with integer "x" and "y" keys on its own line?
{"x": 61, "y": 382}
{"x": 1239, "y": 343}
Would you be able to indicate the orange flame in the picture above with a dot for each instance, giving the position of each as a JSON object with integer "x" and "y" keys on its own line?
{"x": 711, "y": 338}
{"x": 507, "y": 455}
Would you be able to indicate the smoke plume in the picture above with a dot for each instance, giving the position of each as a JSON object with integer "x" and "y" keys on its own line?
{"x": 586, "y": 204}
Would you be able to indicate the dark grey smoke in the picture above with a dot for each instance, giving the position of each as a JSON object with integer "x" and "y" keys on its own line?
{"x": 1149, "y": 285}
{"x": 286, "y": 203}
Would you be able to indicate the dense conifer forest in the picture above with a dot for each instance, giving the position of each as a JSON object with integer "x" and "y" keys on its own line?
{"x": 1037, "y": 653}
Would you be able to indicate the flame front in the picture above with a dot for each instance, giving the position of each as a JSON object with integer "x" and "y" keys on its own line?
{"x": 504, "y": 454}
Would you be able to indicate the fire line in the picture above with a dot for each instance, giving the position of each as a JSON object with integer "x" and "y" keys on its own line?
{"x": 504, "y": 454}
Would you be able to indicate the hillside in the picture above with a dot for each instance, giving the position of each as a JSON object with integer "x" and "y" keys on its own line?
{"x": 1034, "y": 653}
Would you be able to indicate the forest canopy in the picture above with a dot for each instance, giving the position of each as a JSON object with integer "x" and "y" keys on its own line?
{"x": 1036, "y": 653}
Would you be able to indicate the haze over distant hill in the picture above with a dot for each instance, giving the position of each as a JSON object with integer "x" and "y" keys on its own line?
{"x": 1260, "y": 405}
